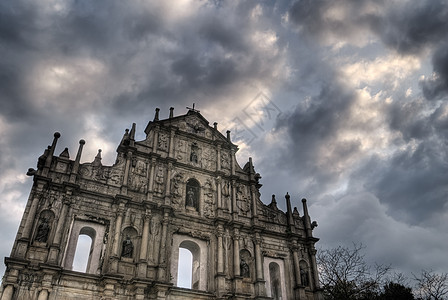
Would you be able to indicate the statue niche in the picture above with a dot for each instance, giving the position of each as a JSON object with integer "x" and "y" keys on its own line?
{"x": 128, "y": 243}
{"x": 194, "y": 153}
{"x": 43, "y": 229}
{"x": 192, "y": 194}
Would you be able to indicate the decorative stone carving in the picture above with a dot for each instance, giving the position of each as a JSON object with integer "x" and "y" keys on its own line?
{"x": 43, "y": 230}
{"x": 159, "y": 180}
{"x": 242, "y": 200}
{"x": 209, "y": 159}
{"x": 225, "y": 193}
{"x": 196, "y": 128}
{"x": 209, "y": 199}
{"x": 117, "y": 170}
{"x": 138, "y": 179}
{"x": 180, "y": 150}
{"x": 225, "y": 161}
{"x": 163, "y": 141}
{"x": 176, "y": 188}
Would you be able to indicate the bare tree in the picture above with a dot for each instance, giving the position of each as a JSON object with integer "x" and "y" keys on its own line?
{"x": 432, "y": 286}
{"x": 344, "y": 274}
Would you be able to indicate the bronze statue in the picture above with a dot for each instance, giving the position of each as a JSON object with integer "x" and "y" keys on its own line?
{"x": 127, "y": 247}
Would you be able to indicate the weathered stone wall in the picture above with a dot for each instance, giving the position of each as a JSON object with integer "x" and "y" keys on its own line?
{"x": 180, "y": 187}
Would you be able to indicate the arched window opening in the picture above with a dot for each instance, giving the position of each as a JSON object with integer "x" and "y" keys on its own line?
{"x": 192, "y": 194}
{"x": 274, "y": 276}
{"x": 184, "y": 269}
{"x": 93, "y": 253}
{"x": 82, "y": 253}
{"x": 84, "y": 249}
{"x": 194, "y": 270}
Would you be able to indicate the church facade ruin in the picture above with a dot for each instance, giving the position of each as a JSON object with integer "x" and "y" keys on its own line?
{"x": 178, "y": 190}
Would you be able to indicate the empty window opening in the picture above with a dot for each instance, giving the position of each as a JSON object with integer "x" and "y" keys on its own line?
{"x": 274, "y": 276}
{"x": 82, "y": 254}
{"x": 185, "y": 267}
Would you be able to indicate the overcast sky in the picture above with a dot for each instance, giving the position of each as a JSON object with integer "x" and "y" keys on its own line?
{"x": 343, "y": 102}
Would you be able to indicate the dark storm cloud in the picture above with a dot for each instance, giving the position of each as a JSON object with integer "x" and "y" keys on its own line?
{"x": 413, "y": 26}
{"x": 437, "y": 86}
{"x": 312, "y": 130}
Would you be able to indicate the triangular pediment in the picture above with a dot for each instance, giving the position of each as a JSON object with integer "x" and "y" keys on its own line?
{"x": 192, "y": 123}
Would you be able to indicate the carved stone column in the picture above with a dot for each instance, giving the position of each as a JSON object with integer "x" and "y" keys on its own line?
{"x": 253, "y": 191}
{"x": 32, "y": 212}
{"x": 43, "y": 295}
{"x": 171, "y": 145}
{"x": 124, "y": 187}
{"x": 220, "y": 276}
{"x": 232, "y": 161}
{"x": 22, "y": 243}
{"x": 314, "y": 268}
{"x": 218, "y": 189}
{"x": 220, "y": 250}
{"x": 117, "y": 232}
{"x": 144, "y": 245}
{"x": 260, "y": 288}
{"x": 218, "y": 157}
{"x": 299, "y": 290}
{"x": 55, "y": 247}
{"x": 8, "y": 292}
{"x": 238, "y": 280}
{"x": 234, "y": 209}
{"x": 168, "y": 184}
{"x": 236, "y": 253}
{"x": 116, "y": 242}
{"x": 151, "y": 175}
{"x": 155, "y": 140}
{"x": 162, "y": 253}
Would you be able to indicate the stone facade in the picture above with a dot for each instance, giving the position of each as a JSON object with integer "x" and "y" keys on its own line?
{"x": 180, "y": 187}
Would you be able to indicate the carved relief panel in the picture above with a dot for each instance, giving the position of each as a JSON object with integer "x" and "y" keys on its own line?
{"x": 176, "y": 190}
{"x": 180, "y": 150}
{"x": 138, "y": 176}
{"x": 163, "y": 141}
{"x": 243, "y": 199}
{"x": 159, "y": 179}
{"x": 209, "y": 199}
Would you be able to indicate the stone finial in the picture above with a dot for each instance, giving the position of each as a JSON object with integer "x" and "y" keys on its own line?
{"x": 132, "y": 132}
{"x": 296, "y": 212}
{"x": 171, "y": 112}
{"x": 65, "y": 153}
{"x": 76, "y": 164}
{"x": 215, "y": 125}
{"x": 49, "y": 157}
{"x": 97, "y": 161}
{"x": 156, "y": 116}
{"x": 273, "y": 204}
{"x": 228, "y": 135}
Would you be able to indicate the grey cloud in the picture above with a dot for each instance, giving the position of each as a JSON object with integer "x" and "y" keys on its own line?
{"x": 312, "y": 128}
{"x": 407, "y": 118}
{"x": 437, "y": 87}
{"x": 411, "y": 183}
{"x": 410, "y": 27}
